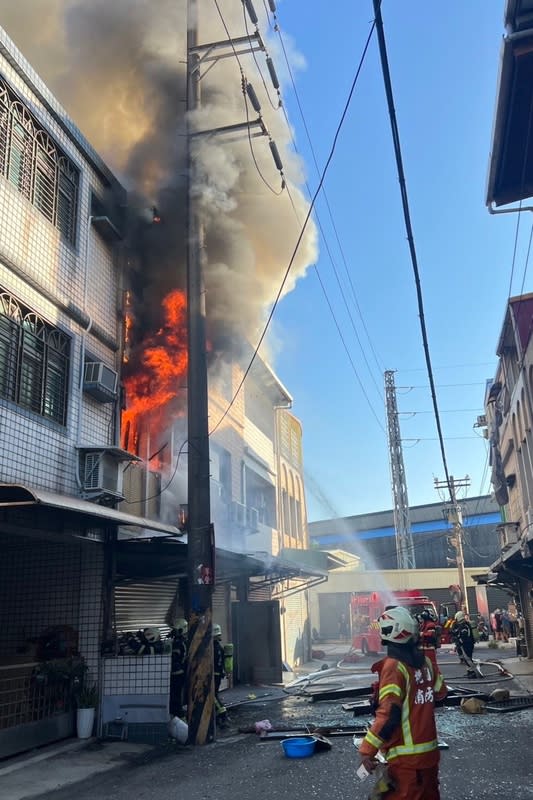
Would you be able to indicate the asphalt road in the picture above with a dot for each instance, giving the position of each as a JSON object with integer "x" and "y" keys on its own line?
{"x": 489, "y": 757}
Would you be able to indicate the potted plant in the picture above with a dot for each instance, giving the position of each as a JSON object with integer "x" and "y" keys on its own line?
{"x": 87, "y": 700}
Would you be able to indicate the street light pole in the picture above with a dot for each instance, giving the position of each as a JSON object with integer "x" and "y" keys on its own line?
{"x": 200, "y": 548}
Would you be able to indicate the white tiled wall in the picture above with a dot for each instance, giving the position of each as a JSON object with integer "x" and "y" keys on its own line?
{"x": 136, "y": 675}
{"x": 48, "y": 275}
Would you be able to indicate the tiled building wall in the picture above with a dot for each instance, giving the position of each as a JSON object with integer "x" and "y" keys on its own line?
{"x": 46, "y": 273}
{"x": 136, "y": 675}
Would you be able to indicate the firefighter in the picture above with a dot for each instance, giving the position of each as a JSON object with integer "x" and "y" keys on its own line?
{"x": 429, "y": 636}
{"x": 464, "y": 642}
{"x": 404, "y": 729}
{"x": 219, "y": 672}
{"x": 178, "y": 669}
{"x": 146, "y": 642}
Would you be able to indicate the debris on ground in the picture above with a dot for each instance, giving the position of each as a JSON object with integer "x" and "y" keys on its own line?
{"x": 472, "y": 705}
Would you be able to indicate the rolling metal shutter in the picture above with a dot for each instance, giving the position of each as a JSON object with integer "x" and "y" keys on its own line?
{"x": 144, "y": 603}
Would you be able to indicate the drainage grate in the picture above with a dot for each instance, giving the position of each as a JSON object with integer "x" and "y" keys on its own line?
{"x": 513, "y": 704}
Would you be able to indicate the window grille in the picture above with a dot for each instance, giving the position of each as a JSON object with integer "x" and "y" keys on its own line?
{"x": 31, "y": 161}
{"x": 34, "y": 361}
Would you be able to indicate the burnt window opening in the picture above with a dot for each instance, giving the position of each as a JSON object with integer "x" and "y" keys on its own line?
{"x": 34, "y": 361}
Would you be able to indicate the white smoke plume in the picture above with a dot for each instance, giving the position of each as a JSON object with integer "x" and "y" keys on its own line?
{"x": 118, "y": 67}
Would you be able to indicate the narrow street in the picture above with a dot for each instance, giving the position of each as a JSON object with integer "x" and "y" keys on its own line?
{"x": 487, "y": 755}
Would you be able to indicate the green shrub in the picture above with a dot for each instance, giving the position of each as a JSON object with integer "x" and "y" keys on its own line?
{"x": 88, "y": 696}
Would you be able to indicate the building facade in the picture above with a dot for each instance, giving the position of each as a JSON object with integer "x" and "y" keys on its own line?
{"x": 90, "y": 543}
{"x": 60, "y": 464}
{"x": 371, "y": 539}
{"x": 509, "y": 411}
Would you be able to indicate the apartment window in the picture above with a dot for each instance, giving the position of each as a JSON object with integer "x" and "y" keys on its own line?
{"x": 34, "y": 361}
{"x": 31, "y": 161}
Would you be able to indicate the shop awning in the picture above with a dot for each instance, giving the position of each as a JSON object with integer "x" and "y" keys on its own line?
{"x": 292, "y": 571}
{"x": 515, "y": 563}
{"x": 160, "y": 557}
{"x": 17, "y": 496}
{"x": 165, "y": 558}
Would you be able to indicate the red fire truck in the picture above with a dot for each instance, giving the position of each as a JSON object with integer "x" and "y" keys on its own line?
{"x": 366, "y": 608}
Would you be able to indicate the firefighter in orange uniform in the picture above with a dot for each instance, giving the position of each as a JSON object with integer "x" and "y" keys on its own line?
{"x": 404, "y": 730}
{"x": 429, "y": 637}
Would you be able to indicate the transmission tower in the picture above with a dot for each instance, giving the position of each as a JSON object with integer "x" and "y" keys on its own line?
{"x": 405, "y": 554}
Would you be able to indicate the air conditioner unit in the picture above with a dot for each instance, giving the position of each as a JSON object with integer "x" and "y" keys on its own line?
{"x": 252, "y": 519}
{"x": 102, "y": 475}
{"x": 238, "y": 514}
{"x": 509, "y": 534}
{"x": 100, "y": 381}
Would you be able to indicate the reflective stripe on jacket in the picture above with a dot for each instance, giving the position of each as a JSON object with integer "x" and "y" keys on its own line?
{"x": 404, "y": 728}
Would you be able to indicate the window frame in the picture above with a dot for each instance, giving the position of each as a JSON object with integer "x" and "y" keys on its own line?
{"x": 38, "y": 369}
{"x": 32, "y": 162}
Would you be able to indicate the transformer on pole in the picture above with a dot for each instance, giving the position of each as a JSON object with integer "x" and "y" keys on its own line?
{"x": 405, "y": 554}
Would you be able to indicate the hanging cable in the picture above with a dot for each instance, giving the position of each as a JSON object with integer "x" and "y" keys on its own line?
{"x": 304, "y": 226}
{"x": 409, "y": 229}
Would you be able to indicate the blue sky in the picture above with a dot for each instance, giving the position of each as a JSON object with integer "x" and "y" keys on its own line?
{"x": 444, "y": 63}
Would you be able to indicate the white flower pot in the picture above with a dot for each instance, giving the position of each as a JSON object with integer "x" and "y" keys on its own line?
{"x": 85, "y": 722}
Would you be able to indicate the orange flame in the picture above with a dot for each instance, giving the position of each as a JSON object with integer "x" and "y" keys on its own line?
{"x": 155, "y": 393}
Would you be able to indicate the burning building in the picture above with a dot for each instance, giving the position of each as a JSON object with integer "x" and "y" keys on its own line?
{"x": 93, "y": 359}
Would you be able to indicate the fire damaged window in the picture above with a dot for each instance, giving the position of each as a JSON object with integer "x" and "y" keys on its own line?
{"x": 31, "y": 161}
{"x": 34, "y": 361}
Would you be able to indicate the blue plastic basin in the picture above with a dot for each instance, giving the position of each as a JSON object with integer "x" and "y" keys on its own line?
{"x": 299, "y": 747}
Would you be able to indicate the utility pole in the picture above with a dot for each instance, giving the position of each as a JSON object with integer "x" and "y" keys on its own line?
{"x": 454, "y": 514}
{"x": 405, "y": 553}
{"x": 200, "y": 546}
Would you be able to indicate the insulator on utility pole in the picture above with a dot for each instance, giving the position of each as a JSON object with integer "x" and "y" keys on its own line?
{"x": 251, "y": 11}
{"x": 272, "y": 6}
{"x": 272, "y": 70}
{"x": 254, "y": 100}
{"x": 275, "y": 155}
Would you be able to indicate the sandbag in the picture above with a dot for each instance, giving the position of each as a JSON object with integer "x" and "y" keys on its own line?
{"x": 472, "y": 705}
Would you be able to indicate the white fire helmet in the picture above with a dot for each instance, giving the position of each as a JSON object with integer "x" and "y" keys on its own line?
{"x": 181, "y": 625}
{"x": 217, "y": 630}
{"x": 397, "y": 626}
{"x": 151, "y": 634}
{"x": 459, "y": 617}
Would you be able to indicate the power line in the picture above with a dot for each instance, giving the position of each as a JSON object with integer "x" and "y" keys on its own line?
{"x": 304, "y": 226}
{"x": 326, "y": 200}
{"x": 408, "y": 226}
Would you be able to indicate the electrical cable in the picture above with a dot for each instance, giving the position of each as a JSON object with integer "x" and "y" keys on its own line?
{"x": 277, "y": 28}
{"x": 281, "y": 105}
{"x": 339, "y": 331}
{"x": 346, "y": 306}
{"x": 267, "y": 91}
{"x": 304, "y": 226}
{"x": 409, "y": 230}
{"x": 164, "y": 488}
{"x": 243, "y": 82}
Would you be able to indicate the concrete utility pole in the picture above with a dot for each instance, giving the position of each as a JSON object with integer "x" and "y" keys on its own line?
{"x": 454, "y": 514}
{"x": 200, "y": 547}
{"x": 405, "y": 553}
